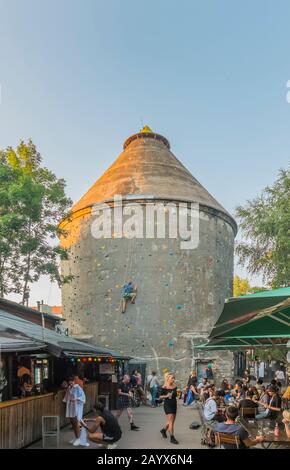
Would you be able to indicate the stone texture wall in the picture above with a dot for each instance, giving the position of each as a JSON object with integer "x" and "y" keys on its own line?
{"x": 180, "y": 292}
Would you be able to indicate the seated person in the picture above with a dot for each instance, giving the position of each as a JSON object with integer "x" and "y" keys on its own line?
{"x": 248, "y": 402}
{"x": 273, "y": 408}
{"x": 210, "y": 410}
{"x": 104, "y": 429}
{"x": 129, "y": 293}
{"x": 26, "y": 386}
{"x": 231, "y": 427}
{"x": 259, "y": 384}
{"x": 237, "y": 390}
{"x": 286, "y": 421}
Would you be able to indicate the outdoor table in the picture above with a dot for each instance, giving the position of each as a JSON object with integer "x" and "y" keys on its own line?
{"x": 270, "y": 440}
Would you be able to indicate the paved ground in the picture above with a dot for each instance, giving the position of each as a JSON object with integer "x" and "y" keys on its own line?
{"x": 150, "y": 421}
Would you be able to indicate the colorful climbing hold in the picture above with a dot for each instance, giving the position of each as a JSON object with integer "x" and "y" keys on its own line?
{"x": 178, "y": 307}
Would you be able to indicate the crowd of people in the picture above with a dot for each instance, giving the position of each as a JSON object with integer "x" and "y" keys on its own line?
{"x": 221, "y": 406}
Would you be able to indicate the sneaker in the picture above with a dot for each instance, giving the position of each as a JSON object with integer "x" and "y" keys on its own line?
{"x": 77, "y": 442}
{"x": 72, "y": 441}
{"x": 85, "y": 444}
{"x": 134, "y": 427}
{"x": 163, "y": 432}
{"x": 112, "y": 446}
{"x": 173, "y": 440}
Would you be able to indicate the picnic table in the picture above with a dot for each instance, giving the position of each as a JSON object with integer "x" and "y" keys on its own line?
{"x": 263, "y": 427}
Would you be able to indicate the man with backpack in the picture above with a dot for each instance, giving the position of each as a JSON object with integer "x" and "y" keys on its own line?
{"x": 152, "y": 386}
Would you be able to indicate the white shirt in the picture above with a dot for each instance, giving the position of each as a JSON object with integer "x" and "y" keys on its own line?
{"x": 280, "y": 375}
{"x": 152, "y": 381}
{"x": 210, "y": 409}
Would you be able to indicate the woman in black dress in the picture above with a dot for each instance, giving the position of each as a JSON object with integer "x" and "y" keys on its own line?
{"x": 169, "y": 395}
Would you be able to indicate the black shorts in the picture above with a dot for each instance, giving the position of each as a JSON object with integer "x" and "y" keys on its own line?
{"x": 111, "y": 439}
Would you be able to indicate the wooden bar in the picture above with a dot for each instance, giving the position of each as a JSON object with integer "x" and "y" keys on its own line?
{"x": 20, "y": 420}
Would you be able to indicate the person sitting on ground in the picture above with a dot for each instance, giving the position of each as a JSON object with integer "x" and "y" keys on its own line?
{"x": 129, "y": 293}
{"x": 286, "y": 421}
{"x": 231, "y": 427}
{"x": 272, "y": 409}
{"x": 210, "y": 410}
{"x": 104, "y": 429}
{"x": 248, "y": 402}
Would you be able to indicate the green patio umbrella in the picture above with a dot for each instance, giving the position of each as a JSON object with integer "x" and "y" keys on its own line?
{"x": 242, "y": 343}
{"x": 262, "y": 315}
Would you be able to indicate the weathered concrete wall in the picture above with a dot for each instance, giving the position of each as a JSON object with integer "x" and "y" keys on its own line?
{"x": 181, "y": 292}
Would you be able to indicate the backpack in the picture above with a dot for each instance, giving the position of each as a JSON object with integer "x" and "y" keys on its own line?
{"x": 194, "y": 425}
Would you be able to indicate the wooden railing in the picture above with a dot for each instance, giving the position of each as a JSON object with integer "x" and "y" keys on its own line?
{"x": 20, "y": 420}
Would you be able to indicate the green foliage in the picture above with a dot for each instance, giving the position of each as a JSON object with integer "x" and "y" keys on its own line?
{"x": 32, "y": 203}
{"x": 271, "y": 354}
{"x": 265, "y": 226}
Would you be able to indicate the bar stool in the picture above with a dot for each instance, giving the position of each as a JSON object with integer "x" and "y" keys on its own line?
{"x": 50, "y": 428}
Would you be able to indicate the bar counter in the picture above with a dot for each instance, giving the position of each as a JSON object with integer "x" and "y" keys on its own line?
{"x": 20, "y": 419}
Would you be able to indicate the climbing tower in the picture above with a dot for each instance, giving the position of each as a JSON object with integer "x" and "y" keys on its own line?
{"x": 181, "y": 291}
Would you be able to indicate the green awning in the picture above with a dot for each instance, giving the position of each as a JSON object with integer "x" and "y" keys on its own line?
{"x": 240, "y": 343}
{"x": 262, "y": 315}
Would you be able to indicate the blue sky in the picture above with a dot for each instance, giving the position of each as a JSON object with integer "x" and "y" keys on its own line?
{"x": 79, "y": 77}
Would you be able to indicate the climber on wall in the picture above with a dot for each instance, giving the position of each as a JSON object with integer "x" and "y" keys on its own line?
{"x": 129, "y": 292}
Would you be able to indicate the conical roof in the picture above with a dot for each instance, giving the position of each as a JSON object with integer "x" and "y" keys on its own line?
{"x": 148, "y": 168}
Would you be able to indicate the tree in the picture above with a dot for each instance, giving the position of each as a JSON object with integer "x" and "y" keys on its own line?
{"x": 265, "y": 226}
{"x": 271, "y": 354}
{"x": 243, "y": 287}
{"x": 32, "y": 203}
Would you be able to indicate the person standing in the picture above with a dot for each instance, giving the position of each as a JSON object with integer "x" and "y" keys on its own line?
{"x": 191, "y": 391}
{"x": 209, "y": 373}
{"x": 125, "y": 396}
{"x": 169, "y": 395}
{"x": 153, "y": 384}
{"x": 280, "y": 376}
{"x": 75, "y": 399}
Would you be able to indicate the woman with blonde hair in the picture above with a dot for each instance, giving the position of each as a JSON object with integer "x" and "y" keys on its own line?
{"x": 169, "y": 395}
{"x": 286, "y": 399}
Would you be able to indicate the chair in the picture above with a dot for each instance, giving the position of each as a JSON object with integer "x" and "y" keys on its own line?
{"x": 248, "y": 412}
{"x": 228, "y": 439}
{"x": 206, "y": 428}
{"x": 50, "y": 428}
